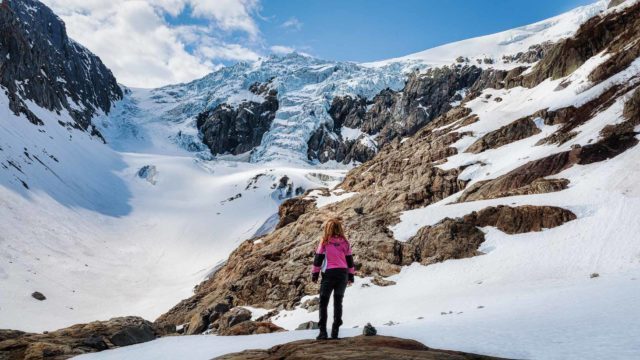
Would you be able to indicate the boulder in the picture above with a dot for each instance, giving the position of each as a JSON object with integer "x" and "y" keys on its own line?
{"x": 251, "y": 327}
{"x": 133, "y": 334}
{"x": 369, "y": 330}
{"x": 38, "y": 296}
{"x": 76, "y": 339}
{"x": 309, "y": 325}
{"x": 380, "y": 281}
{"x": 290, "y": 210}
{"x": 517, "y": 130}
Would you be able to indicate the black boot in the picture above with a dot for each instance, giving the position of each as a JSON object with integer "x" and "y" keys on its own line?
{"x": 322, "y": 335}
{"x": 335, "y": 329}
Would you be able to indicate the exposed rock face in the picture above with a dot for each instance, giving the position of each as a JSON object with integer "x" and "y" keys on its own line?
{"x": 235, "y": 130}
{"x": 496, "y": 79}
{"x": 569, "y": 118}
{"x": 390, "y": 115}
{"x": 534, "y": 53}
{"x": 528, "y": 178}
{"x": 76, "y": 339}
{"x": 449, "y": 239}
{"x": 38, "y": 62}
{"x": 353, "y": 348}
{"x": 517, "y": 130}
{"x": 460, "y": 238}
{"x": 613, "y": 33}
{"x": 290, "y": 210}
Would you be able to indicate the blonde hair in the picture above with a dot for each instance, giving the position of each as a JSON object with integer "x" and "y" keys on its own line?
{"x": 332, "y": 228}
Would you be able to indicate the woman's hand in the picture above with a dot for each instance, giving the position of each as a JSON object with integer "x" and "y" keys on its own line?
{"x": 314, "y": 278}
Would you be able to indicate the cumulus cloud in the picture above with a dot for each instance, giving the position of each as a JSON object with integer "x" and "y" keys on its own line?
{"x": 135, "y": 41}
{"x": 292, "y": 23}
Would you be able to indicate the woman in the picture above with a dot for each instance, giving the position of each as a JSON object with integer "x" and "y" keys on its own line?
{"x": 334, "y": 258}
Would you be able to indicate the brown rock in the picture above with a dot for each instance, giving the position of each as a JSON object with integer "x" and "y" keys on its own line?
{"x": 380, "y": 281}
{"x": 353, "y": 348}
{"x": 611, "y": 32}
{"x": 290, "y": 210}
{"x": 449, "y": 239}
{"x": 251, "y": 327}
{"x": 460, "y": 238}
{"x": 76, "y": 339}
{"x": 517, "y": 130}
{"x": 521, "y": 219}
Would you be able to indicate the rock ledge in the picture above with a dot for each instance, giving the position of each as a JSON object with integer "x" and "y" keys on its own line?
{"x": 353, "y": 348}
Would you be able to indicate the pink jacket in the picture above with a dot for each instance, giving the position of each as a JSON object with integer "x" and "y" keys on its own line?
{"x": 336, "y": 254}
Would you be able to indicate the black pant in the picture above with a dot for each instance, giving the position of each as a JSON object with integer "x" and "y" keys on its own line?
{"x": 333, "y": 280}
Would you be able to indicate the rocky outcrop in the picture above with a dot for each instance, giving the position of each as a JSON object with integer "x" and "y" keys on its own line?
{"x": 76, "y": 339}
{"x": 496, "y": 79}
{"x": 571, "y": 117}
{"x": 530, "y": 176}
{"x": 290, "y": 210}
{"x": 460, "y": 238}
{"x": 517, "y": 130}
{"x": 235, "y": 130}
{"x": 39, "y": 62}
{"x": 354, "y": 348}
{"x": 390, "y": 115}
{"x": 533, "y": 54}
{"x": 613, "y": 33}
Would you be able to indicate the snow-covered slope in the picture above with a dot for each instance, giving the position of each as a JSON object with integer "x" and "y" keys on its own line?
{"x": 493, "y": 47}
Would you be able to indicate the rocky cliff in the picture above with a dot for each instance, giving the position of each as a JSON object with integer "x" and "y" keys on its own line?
{"x": 40, "y": 63}
{"x": 235, "y": 130}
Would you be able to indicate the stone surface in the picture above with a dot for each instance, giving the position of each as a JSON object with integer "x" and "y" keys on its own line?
{"x": 380, "y": 281}
{"x": 353, "y": 348}
{"x": 517, "y": 130}
{"x": 309, "y": 325}
{"x": 76, "y": 339}
{"x": 251, "y": 327}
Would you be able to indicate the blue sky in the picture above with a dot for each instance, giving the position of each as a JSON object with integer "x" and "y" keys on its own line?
{"x": 361, "y": 30}
{"x": 149, "y": 43}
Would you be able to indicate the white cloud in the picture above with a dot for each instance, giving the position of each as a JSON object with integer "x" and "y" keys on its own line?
{"x": 292, "y": 23}
{"x": 228, "y": 52}
{"x": 281, "y": 49}
{"x": 133, "y": 39}
{"x": 229, "y": 14}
